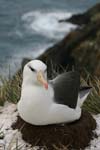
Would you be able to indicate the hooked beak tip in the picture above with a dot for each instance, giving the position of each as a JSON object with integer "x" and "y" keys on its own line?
{"x": 46, "y": 86}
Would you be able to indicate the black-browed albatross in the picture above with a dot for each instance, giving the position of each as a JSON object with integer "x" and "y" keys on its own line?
{"x": 45, "y": 102}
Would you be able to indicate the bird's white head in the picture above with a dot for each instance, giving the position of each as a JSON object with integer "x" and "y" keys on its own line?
{"x": 35, "y": 72}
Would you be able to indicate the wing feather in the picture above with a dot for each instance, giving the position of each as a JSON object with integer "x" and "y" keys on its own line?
{"x": 66, "y": 87}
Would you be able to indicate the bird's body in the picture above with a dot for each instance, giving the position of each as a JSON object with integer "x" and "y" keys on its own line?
{"x": 39, "y": 106}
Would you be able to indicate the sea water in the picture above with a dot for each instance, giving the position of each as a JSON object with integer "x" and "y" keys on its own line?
{"x": 29, "y": 27}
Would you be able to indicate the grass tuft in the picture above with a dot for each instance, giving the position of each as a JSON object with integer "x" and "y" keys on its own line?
{"x": 10, "y": 91}
{"x": 92, "y": 104}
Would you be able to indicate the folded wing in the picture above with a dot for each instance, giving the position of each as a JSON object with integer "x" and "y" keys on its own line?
{"x": 66, "y": 87}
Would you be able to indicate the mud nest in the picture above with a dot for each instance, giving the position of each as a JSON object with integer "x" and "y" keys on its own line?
{"x": 62, "y": 136}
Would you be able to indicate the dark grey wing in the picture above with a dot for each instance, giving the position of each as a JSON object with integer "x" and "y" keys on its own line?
{"x": 66, "y": 88}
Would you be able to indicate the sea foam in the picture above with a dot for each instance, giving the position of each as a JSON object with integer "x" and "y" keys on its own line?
{"x": 47, "y": 23}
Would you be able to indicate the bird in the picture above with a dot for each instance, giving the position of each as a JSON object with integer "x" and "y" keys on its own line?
{"x": 56, "y": 101}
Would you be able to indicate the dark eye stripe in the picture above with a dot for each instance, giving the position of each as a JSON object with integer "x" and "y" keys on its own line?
{"x": 31, "y": 68}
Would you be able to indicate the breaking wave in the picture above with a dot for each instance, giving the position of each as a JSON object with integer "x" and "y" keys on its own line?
{"x": 47, "y": 23}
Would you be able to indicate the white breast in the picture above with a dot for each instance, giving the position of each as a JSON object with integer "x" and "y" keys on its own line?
{"x": 34, "y": 104}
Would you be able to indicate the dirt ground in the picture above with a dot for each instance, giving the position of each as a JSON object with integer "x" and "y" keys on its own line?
{"x": 61, "y": 136}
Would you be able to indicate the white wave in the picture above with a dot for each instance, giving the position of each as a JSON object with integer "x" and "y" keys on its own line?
{"x": 47, "y": 23}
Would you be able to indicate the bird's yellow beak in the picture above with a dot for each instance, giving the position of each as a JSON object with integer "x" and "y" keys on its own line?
{"x": 41, "y": 79}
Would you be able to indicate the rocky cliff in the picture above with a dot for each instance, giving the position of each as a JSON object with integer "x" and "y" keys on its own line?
{"x": 80, "y": 49}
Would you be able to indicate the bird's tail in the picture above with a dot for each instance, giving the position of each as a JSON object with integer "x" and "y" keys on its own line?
{"x": 83, "y": 93}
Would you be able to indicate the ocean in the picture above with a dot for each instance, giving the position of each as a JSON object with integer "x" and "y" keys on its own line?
{"x": 29, "y": 27}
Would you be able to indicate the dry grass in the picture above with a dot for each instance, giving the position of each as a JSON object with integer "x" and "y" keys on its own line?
{"x": 92, "y": 104}
{"x": 10, "y": 91}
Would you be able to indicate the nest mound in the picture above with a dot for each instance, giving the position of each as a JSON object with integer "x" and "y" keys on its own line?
{"x": 72, "y": 136}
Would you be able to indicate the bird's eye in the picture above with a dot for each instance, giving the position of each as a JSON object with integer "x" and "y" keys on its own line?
{"x": 31, "y": 68}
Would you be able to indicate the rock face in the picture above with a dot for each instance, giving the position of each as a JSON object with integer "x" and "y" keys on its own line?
{"x": 81, "y": 48}
{"x": 75, "y": 136}
{"x": 85, "y": 18}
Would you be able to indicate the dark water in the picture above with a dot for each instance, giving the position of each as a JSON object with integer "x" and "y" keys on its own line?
{"x": 28, "y": 27}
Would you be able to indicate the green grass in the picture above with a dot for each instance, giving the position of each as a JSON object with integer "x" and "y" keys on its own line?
{"x": 10, "y": 91}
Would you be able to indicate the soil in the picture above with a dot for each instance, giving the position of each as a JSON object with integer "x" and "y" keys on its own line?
{"x": 71, "y": 136}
